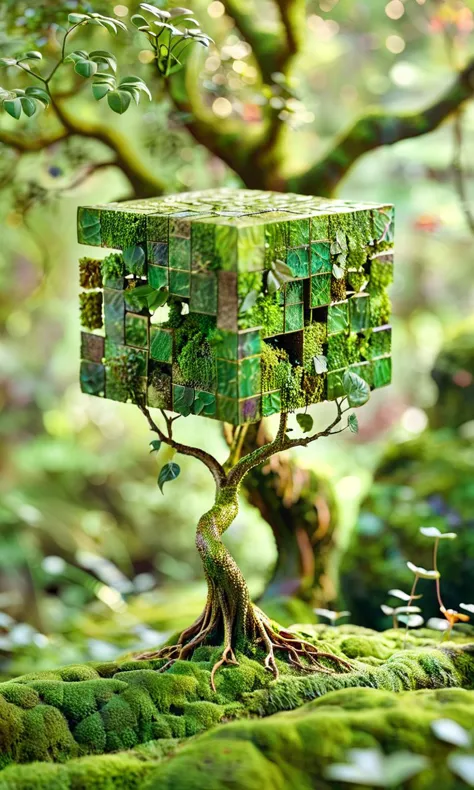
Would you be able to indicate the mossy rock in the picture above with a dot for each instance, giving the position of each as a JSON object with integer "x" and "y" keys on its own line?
{"x": 427, "y": 481}
{"x": 93, "y": 709}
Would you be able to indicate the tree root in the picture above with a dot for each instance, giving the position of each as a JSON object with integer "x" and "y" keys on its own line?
{"x": 302, "y": 655}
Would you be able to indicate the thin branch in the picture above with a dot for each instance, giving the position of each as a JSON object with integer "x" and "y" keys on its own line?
{"x": 206, "y": 458}
{"x": 379, "y": 129}
{"x": 26, "y": 144}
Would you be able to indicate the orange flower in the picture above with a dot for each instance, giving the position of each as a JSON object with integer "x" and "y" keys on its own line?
{"x": 454, "y": 617}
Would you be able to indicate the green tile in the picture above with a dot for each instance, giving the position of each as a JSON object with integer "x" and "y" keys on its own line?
{"x": 157, "y": 228}
{"x": 335, "y": 385}
{"x": 114, "y": 387}
{"x": 158, "y": 277}
{"x": 92, "y": 378}
{"x": 227, "y": 378}
{"x": 381, "y": 342}
{"x": 251, "y": 248}
{"x": 320, "y": 290}
{"x": 294, "y": 318}
{"x": 159, "y": 389}
{"x": 298, "y": 261}
{"x": 180, "y": 253}
{"x": 338, "y": 318}
{"x": 88, "y": 227}
{"x": 299, "y": 233}
{"x": 249, "y": 377}
{"x": 180, "y": 283}
{"x": 161, "y": 344}
{"x": 157, "y": 253}
{"x": 202, "y": 246}
{"x": 271, "y": 403}
{"x": 365, "y": 371}
{"x": 382, "y": 369}
{"x": 204, "y": 293}
{"x": 359, "y": 313}
{"x": 319, "y": 228}
{"x": 180, "y": 227}
{"x": 226, "y": 346}
{"x": 250, "y": 410}
{"x": 205, "y": 403}
{"x": 383, "y": 220}
{"x": 92, "y": 347}
{"x": 321, "y": 257}
{"x": 226, "y": 248}
{"x": 276, "y": 242}
{"x": 114, "y": 315}
{"x": 122, "y": 229}
{"x": 249, "y": 343}
{"x": 136, "y": 330}
{"x": 294, "y": 292}
{"x": 228, "y": 410}
{"x": 183, "y": 399}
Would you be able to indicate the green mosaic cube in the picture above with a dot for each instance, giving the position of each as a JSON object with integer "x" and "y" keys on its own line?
{"x": 271, "y": 298}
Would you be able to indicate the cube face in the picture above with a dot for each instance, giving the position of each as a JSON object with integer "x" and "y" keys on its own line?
{"x": 272, "y": 297}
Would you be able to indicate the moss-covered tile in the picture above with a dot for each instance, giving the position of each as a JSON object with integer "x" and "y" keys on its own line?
{"x": 249, "y": 377}
{"x": 180, "y": 227}
{"x": 250, "y": 409}
{"x": 249, "y": 343}
{"x": 205, "y": 403}
{"x": 122, "y": 229}
{"x": 157, "y": 253}
{"x": 92, "y": 347}
{"x": 321, "y": 257}
{"x": 183, "y": 399}
{"x": 136, "y": 330}
{"x": 359, "y": 313}
{"x": 294, "y": 318}
{"x": 338, "y": 318}
{"x": 161, "y": 344}
{"x": 365, "y": 371}
{"x": 383, "y": 220}
{"x": 271, "y": 403}
{"x": 382, "y": 370}
{"x": 204, "y": 293}
{"x": 180, "y": 283}
{"x": 228, "y": 410}
{"x": 88, "y": 227}
{"x": 114, "y": 386}
{"x": 335, "y": 385}
{"x": 251, "y": 248}
{"x": 293, "y": 292}
{"x": 227, "y": 298}
{"x": 227, "y": 377}
{"x": 202, "y": 246}
{"x": 114, "y": 315}
{"x": 159, "y": 387}
{"x": 319, "y": 228}
{"x": 158, "y": 277}
{"x": 320, "y": 290}
{"x": 276, "y": 242}
{"x": 180, "y": 253}
{"x": 299, "y": 234}
{"x": 380, "y": 342}
{"x": 157, "y": 228}
{"x": 298, "y": 261}
{"x": 92, "y": 378}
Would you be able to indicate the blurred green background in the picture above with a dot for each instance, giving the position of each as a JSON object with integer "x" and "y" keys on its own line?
{"x": 94, "y": 560}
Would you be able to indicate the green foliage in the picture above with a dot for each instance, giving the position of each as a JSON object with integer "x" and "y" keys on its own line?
{"x": 91, "y": 310}
{"x": 168, "y": 472}
{"x": 90, "y": 273}
{"x": 305, "y": 421}
{"x": 356, "y": 389}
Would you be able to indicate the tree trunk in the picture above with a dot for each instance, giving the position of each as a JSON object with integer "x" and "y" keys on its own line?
{"x": 300, "y": 507}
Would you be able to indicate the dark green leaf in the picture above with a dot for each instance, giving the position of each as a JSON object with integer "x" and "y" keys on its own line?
{"x": 356, "y": 389}
{"x": 158, "y": 298}
{"x": 85, "y": 68}
{"x": 249, "y": 301}
{"x": 119, "y": 101}
{"x": 353, "y": 423}
{"x": 282, "y": 271}
{"x": 134, "y": 259}
{"x": 32, "y": 55}
{"x": 100, "y": 89}
{"x": 305, "y": 421}
{"x": 28, "y": 106}
{"x": 76, "y": 19}
{"x": 12, "y": 107}
{"x": 168, "y": 472}
{"x": 155, "y": 445}
{"x": 320, "y": 363}
{"x": 139, "y": 21}
{"x": 39, "y": 94}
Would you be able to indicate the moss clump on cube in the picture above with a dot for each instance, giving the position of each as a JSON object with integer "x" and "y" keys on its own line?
{"x": 237, "y": 339}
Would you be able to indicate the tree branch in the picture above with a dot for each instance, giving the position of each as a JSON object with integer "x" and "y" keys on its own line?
{"x": 206, "y": 458}
{"x": 25, "y": 144}
{"x": 379, "y": 129}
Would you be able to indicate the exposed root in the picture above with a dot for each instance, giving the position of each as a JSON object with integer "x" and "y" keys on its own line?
{"x": 218, "y": 616}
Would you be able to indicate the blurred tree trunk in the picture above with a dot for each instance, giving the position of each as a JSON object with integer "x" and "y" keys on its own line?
{"x": 300, "y": 508}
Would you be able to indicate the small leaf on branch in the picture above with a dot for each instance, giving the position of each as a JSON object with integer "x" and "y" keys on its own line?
{"x": 353, "y": 423}
{"x": 119, "y": 101}
{"x": 356, "y": 389}
{"x": 77, "y": 19}
{"x": 168, "y": 472}
{"x": 86, "y": 68}
{"x": 28, "y": 106}
{"x": 155, "y": 445}
{"x": 32, "y": 55}
{"x": 8, "y": 62}
{"x": 39, "y": 94}
{"x": 305, "y": 421}
{"x": 100, "y": 89}
{"x": 12, "y": 107}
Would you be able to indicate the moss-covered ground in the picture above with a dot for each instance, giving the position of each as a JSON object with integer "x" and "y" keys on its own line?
{"x": 102, "y": 726}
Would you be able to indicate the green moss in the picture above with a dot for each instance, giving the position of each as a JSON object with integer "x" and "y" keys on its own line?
{"x": 91, "y": 309}
{"x": 113, "y": 270}
{"x": 380, "y": 309}
{"x": 338, "y": 352}
{"x": 267, "y": 313}
{"x": 315, "y": 335}
{"x": 275, "y": 367}
{"x": 292, "y": 393}
{"x": 338, "y": 289}
{"x": 122, "y": 229}
{"x": 90, "y": 273}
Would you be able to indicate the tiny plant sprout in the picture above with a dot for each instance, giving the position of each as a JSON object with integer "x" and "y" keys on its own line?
{"x": 420, "y": 573}
{"x": 453, "y": 617}
{"x": 451, "y": 732}
{"x": 436, "y": 536}
{"x": 403, "y": 596}
{"x": 398, "y": 610}
{"x": 437, "y": 624}
{"x": 333, "y": 617}
{"x": 411, "y": 620}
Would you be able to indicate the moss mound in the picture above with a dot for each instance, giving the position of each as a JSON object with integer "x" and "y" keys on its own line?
{"x": 102, "y": 708}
